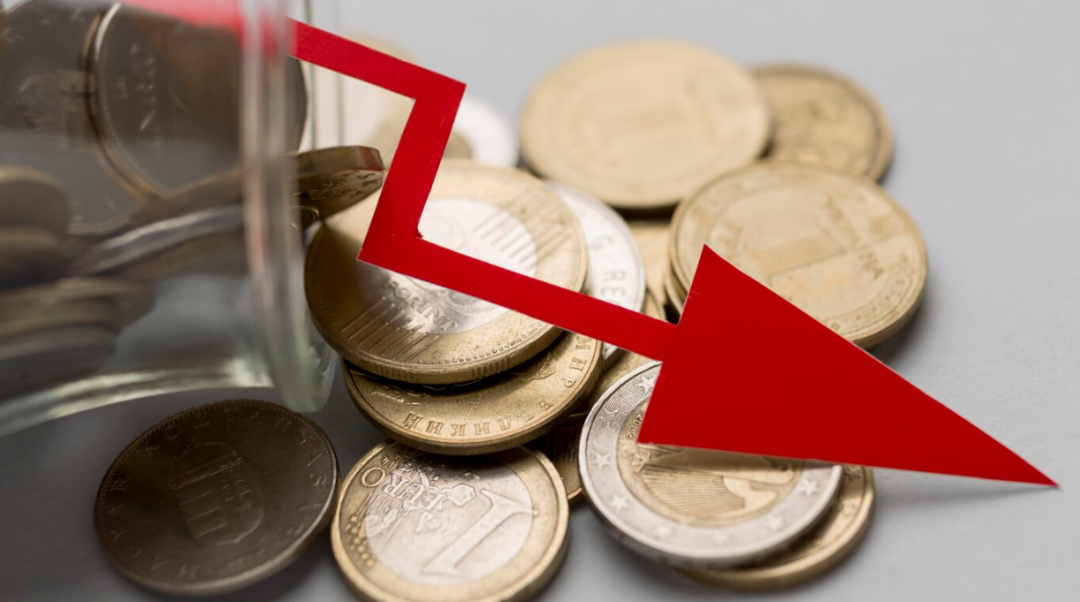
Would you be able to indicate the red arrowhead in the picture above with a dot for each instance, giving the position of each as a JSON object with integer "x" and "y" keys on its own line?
{"x": 751, "y": 373}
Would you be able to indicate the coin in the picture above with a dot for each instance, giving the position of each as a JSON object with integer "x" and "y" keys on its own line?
{"x": 401, "y": 328}
{"x": 414, "y": 527}
{"x": 32, "y": 199}
{"x": 643, "y": 124}
{"x": 130, "y": 300}
{"x": 166, "y": 98}
{"x": 625, "y": 364}
{"x": 219, "y": 190}
{"x": 217, "y": 497}
{"x": 560, "y": 446}
{"x": 835, "y": 245}
{"x": 651, "y": 235}
{"x": 162, "y": 247}
{"x": 485, "y": 134}
{"x": 46, "y": 358}
{"x": 824, "y": 119}
{"x": 616, "y": 269}
{"x": 44, "y": 117}
{"x": 841, "y": 530}
{"x": 493, "y": 414}
{"x": 100, "y": 313}
{"x": 691, "y": 507}
{"x": 29, "y": 255}
{"x": 330, "y": 180}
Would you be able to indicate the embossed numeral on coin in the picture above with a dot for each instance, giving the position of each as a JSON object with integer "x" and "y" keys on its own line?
{"x": 502, "y": 508}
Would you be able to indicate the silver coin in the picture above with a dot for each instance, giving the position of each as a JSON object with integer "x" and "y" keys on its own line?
{"x": 616, "y": 268}
{"x": 689, "y": 507}
{"x": 486, "y": 132}
{"x": 217, "y": 497}
{"x": 43, "y": 115}
{"x": 45, "y": 358}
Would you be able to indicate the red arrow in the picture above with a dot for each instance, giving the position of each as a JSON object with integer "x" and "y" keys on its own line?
{"x": 817, "y": 397}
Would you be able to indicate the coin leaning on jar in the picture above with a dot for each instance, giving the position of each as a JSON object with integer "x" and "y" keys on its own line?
{"x": 414, "y": 527}
{"x": 616, "y": 270}
{"x": 642, "y": 124}
{"x": 836, "y": 246}
{"x": 405, "y": 329}
{"x": 689, "y": 507}
{"x": 829, "y": 543}
{"x": 824, "y": 119}
{"x": 330, "y": 180}
{"x": 493, "y": 414}
{"x": 217, "y": 497}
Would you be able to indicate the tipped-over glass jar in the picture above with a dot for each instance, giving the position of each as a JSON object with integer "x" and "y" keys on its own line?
{"x": 150, "y": 240}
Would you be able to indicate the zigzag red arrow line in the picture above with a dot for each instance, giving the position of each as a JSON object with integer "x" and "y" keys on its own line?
{"x": 394, "y": 241}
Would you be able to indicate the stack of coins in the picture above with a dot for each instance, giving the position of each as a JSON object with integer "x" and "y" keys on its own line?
{"x": 496, "y": 421}
{"x": 774, "y": 169}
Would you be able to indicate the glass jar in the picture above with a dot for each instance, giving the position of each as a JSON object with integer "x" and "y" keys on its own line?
{"x": 149, "y": 233}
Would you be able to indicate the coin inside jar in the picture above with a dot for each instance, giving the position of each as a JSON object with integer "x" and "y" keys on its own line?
{"x": 824, "y": 119}
{"x": 422, "y": 528}
{"x": 33, "y": 199}
{"x": 45, "y": 119}
{"x": 493, "y": 414}
{"x": 642, "y": 124}
{"x": 836, "y": 246}
{"x": 29, "y": 255}
{"x": 217, "y": 497}
{"x": 166, "y": 96}
{"x": 691, "y": 507}
{"x": 405, "y": 329}
{"x": 829, "y": 543}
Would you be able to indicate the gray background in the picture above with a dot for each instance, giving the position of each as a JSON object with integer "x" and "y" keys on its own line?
{"x": 983, "y": 97}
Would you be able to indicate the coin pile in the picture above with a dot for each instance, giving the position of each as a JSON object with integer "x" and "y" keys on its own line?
{"x": 496, "y": 421}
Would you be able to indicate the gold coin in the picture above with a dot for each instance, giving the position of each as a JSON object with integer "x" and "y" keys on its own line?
{"x": 413, "y": 527}
{"x": 651, "y": 235}
{"x": 824, "y": 119}
{"x": 835, "y": 245}
{"x": 408, "y": 330}
{"x": 841, "y": 530}
{"x": 331, "y": 180}
{"x": 643, "y": 124}
{"x": 627, "y": 363}
{"x": 497, "y": 413}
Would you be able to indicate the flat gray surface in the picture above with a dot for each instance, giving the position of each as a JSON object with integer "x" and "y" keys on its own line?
{"x": 984, "y": 99}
